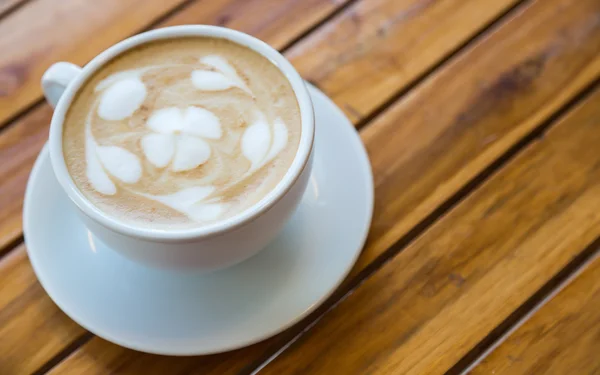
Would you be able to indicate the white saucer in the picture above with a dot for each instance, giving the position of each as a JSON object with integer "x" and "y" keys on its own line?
{"x": 167, "y": 312}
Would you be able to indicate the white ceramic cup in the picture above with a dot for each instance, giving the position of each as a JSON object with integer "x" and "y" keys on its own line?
{"x": 213, "y": 246}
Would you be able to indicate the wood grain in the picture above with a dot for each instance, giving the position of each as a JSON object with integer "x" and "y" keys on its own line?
{"x": 278, "y": 22}
{"x": 561, "y": 338}
{"x": 36, "y": 40}
{"x": 439, "y": 297}
{"x": 428, "y": 147}
{"x": 102, "y": 357}
{"x": 32, "y": 328}
{"x": 19, "y": 146}
{"x": 377, "y": 47}
{"x": 87, "y": 28}
{"x": 449, "y": 129}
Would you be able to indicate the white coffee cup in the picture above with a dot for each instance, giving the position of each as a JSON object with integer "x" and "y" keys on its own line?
{"x": 209, "y": 247}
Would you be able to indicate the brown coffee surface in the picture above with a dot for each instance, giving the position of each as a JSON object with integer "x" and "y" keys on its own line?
{"x": 182, "y": 132}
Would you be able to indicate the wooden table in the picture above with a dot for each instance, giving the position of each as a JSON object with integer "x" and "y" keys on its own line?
{"x": 482, "y": 123}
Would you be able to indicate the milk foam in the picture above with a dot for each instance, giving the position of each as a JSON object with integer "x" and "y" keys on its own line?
{"x": 95, "y": 172}
{"x": 121, "y": 99}
{"x": 173, "y": 140}
{"x": 224, "y": 75}
{"x": 189, "y": 200}
{"x": 179, "y": 136}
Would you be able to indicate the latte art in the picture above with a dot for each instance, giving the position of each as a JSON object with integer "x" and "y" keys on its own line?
{"x": 182, "y": 132}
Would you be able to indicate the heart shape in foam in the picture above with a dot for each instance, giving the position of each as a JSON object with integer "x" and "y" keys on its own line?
{"x": 178, "y": 137}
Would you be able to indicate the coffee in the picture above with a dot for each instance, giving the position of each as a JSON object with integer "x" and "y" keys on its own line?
{"x": 181, "y": 132}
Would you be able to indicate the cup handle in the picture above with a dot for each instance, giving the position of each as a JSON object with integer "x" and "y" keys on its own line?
{"x": 56, "y": 79}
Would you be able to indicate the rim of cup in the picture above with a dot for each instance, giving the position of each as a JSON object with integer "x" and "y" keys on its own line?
{"x": 299, "y": 162}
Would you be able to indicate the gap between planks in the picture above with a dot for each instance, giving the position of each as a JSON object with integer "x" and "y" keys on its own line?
{"x": 551, "y": 287}
{"x": 490, "y": 26}
{"x": 11, "y": 246}
{"x": 546, "y": 293}
{"x": 499, "y": 332}
{"x": 67, "y": 350}
{"x": 315, "y": 27}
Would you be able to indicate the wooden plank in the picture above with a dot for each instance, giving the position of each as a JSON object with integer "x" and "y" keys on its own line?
{"x": 376, "y": 48}
{"x": 28, "y": 319}
{"x": 19, "y": 146}
{"x": 36, "y": 40}
{"x": 106, "y": 358}
{"x": 87, "y": 28}
{"x": 428, "y": 147}
{"x": 278, "y": 22}
{"x": 437, "y": 299}
{"x": 454, "y": 125}
{"x": 561, "y": 338}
